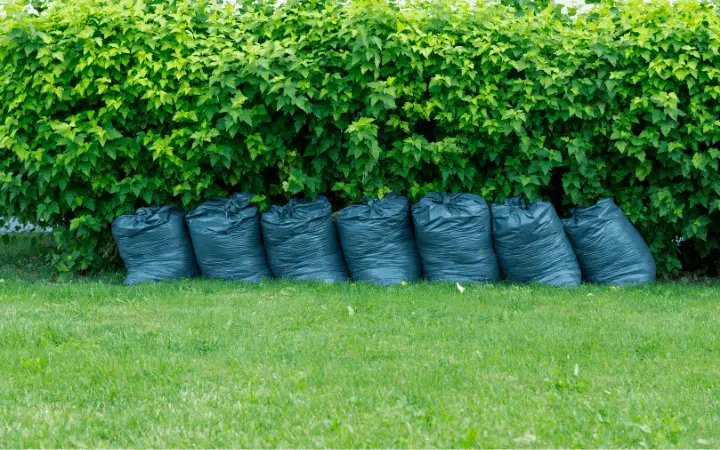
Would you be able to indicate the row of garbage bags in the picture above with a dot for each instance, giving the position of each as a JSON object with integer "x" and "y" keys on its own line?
{"x": 451, "y": 237}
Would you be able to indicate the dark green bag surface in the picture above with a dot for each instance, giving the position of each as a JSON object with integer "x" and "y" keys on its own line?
{"x": 301, "y": 241}
{"x": 454, "y": 238}
{"x": 609, "y": 248}
{"x": 531, "y": 245}
{"x": 377, "y": 241}
{"x": 226, "y": 237}
{"x": 154, "y": 245}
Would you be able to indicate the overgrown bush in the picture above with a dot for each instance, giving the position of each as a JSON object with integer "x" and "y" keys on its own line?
{"x": 106, "y": 106}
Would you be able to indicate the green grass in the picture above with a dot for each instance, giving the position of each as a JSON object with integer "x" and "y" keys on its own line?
{"x": 92, "y": 363}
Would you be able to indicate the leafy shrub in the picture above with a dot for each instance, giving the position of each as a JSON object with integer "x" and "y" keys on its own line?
{"x": 106, "y": 106}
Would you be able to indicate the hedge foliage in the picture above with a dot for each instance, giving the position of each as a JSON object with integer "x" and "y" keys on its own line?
{"x": 106, "y": 106}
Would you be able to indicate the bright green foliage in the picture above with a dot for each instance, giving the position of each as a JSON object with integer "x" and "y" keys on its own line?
{"x": 110, "y": 105}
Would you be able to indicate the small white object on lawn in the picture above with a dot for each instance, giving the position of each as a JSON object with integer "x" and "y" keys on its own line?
{"x": 527, "y": 438}
{"x": 460, "y": 288}
{"x": 351, "y": 311}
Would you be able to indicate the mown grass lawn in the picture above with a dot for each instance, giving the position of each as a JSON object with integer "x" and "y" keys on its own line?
{"x": 93, "y": 363}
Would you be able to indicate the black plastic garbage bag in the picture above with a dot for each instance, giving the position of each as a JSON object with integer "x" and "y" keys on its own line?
{"x": 301, "y": 241}
{"x": 226, "y": 237}
{"x": 608, "y": 247}
{"x": 155, "y": 245}
{"x": 377, "y": 241}
{"x": 454, "y": 238}
{"x": 531, "y": 244}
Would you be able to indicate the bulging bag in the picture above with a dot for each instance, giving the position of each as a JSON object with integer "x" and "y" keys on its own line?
{"x": 301, "y": 241}
{"x": 154, "y": 245}
{"x": 377, "y": 241}
{"x": 608, "y": 247}
{"x": 225, "y": 234}
{"x": 454, "y": 238}
{"x": 531, "y": 245}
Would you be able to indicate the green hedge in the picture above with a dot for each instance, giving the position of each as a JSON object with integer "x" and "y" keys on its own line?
{"x": 106, "y": 106}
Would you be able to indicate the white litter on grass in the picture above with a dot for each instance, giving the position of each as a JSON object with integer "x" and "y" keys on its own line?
{"x": 460, "y": 288}
{"x": 528, "y": 438}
